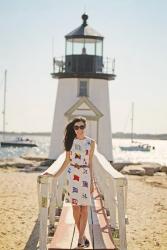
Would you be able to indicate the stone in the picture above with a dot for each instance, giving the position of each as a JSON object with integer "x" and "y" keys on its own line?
{"x": 47, "y": 162}
{"x": 164, "y": 169}
{"x": 34, "y": 157}
{"x": 160, "y": 174}
{"x": 149, "y": 169}
{"x": 154, "y": 165}
{"x": 133, "y": 170}
{"x": 120, "y": 165}
{"x": 16, "y": 162}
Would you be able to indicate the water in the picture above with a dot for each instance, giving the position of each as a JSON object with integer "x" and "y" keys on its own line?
{"x": 159, "y": 155}
{"x": 43, "y": 143}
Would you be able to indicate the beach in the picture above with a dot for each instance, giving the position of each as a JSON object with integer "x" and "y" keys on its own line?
{"x": 146, "y": 210}
{"x": 18, "y": 208}
{"x": 147, "y": 213}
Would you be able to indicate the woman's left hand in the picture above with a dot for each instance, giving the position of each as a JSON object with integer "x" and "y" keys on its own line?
{"x": 91, "y": 187}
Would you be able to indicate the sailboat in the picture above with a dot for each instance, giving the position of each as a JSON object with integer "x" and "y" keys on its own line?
{"x": 18, "y": 141}
{"x": 136, "y": 146}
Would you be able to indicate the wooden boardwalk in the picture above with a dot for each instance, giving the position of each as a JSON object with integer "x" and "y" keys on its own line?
{"x": 97, "y": 230}
{"x": 107, "y": 218}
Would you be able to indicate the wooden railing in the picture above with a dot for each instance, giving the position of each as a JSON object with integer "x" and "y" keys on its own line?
{"x": 113, "y": 186}
{"x": 111, "y": 183}
{"x": 50, "y": 191}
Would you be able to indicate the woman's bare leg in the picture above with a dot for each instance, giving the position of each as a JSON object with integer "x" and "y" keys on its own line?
{"x": 83, "y": 221}
{"x": 77, "y": 214}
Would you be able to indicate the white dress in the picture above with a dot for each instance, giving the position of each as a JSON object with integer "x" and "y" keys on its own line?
{"x": 78, "y": 179}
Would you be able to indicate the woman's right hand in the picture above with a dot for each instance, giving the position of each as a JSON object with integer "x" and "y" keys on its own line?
{"x": 48, "y": 174}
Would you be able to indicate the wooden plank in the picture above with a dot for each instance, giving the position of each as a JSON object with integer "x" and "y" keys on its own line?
{"x": 65, "y": 230}
{"x": 68, "y": 216}
{"x": 63, "y": 237}
{"x": 75, "y": 238}
{"x": 101, "y": 228}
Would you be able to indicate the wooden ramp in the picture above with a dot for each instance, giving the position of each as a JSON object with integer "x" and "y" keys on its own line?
{"x": 97, "y": 229}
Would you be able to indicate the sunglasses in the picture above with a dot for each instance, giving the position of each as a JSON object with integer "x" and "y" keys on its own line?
{"x": 76, "y": 127}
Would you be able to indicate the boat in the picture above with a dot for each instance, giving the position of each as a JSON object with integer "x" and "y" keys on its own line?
{"x": 136, "y": 146}
{"x": 18, "y": 141}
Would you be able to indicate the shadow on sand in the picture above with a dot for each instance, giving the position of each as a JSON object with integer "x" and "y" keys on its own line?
{"x": 34, "y": 238}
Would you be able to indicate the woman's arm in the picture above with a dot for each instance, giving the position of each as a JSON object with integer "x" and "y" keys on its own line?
{"x": 90, "y": 159}
{"x": 63, "y": 167}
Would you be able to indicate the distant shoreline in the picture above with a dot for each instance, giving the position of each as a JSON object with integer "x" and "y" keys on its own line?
{"x": 117, "y": 135}
{"x": 122, "y": 135}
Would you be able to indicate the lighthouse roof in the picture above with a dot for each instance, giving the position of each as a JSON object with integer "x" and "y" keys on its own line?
{"x": 84, "y": 31}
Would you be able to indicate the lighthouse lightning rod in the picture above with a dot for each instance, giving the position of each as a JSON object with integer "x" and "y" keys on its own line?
{"x": 53, "y": 55}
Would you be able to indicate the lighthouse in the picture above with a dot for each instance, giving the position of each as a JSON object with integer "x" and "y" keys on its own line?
{"x": 83, "y": 89}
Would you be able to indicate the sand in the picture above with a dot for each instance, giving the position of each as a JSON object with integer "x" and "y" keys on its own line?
{"x": 18, "y": 208}
{"x": 147, "y": 211}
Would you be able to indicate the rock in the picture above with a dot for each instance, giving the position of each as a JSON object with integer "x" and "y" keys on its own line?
{"x": 154, "y": 165}
{"x": 163, "y": 169}
{"x": 41, "y": 168}
{"x": 160, "y": 174}
{"x": 47, "y": 163}
{"x": 26, "y": 165}
{"x": 18, "y": 163}
{"x": 120, "y": 165}
{"x": 29, "y": 169}
{"x": 34, "y": 157}
{"x": 133, "y": 170}
{"x": 149, "y": 169}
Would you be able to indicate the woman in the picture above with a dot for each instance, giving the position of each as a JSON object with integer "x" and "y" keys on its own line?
{"x": 79, "y": 152}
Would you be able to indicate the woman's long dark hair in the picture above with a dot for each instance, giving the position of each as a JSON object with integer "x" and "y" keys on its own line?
{"x": 70, "y": 133}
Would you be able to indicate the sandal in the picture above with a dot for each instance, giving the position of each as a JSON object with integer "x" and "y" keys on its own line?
{"x": 81, "y": 244}
{"x": 87, "y": 243}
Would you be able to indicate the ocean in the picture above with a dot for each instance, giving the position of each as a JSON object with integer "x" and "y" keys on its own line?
{"x": 158, "y": 155}
{"x": 43, "y": 143}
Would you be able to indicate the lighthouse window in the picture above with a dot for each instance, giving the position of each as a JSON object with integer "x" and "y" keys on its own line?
{"x": 69, "y": 48}
{"x": 83, "y": 88}
{"x": 99, "y": 48}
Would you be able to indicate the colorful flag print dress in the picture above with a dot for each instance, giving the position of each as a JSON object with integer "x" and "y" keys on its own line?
{"x": 78, "y": 179}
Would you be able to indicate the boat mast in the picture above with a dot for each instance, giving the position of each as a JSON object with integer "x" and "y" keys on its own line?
{"x": 132, "y": 122}
{"x": 4, "y": 104}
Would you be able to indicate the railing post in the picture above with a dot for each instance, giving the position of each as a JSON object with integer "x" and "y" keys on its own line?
{"x": 43, "y": 213}
{"x": 121, "y": 215}
{"x": 126, "y": 194}
{"x": 52, "y": 207}
{"x": 112, "y": 204}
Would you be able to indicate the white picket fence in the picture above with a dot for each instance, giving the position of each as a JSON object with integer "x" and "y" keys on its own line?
{"x": 111, "y": 183}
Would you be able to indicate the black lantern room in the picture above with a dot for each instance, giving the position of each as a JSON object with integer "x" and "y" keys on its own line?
{"x": 83, "y": 54}
{"x": 84, "y": 49}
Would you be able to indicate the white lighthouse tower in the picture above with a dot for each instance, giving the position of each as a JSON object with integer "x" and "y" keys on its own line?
{"x": 83, "y": 89}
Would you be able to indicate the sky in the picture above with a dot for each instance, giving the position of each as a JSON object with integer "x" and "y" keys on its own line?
{"x": 135, "y": 35}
